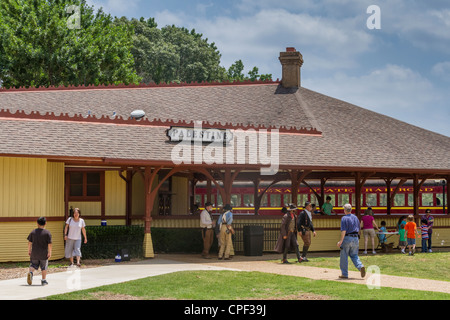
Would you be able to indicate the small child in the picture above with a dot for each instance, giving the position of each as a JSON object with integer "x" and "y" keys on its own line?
{"x": 382, "y": 237}
{"x": 411, "y": 230}
{"x": 39, "y": 250}
{"x": 424, "y": 228}
{"x": 402, "y": 239}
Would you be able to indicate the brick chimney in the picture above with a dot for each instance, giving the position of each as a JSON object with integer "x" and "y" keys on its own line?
{"x": 291, "y": 61}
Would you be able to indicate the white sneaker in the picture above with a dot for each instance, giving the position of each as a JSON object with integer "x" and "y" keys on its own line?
{"x": 430, "y": 250}
{"x": 374, "y": 252}
{"x": 365, "y": 252}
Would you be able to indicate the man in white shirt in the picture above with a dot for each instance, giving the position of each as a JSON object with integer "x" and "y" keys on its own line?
{"x": 207, "y": 225}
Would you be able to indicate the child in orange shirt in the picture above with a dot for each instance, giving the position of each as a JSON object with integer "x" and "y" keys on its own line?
{"x": 411, "y": 230}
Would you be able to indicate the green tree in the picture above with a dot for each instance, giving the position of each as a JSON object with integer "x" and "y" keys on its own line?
{"x": 172, "y": 53}
{"x": 235, "y": 72}
{"x": 42, "y": 45}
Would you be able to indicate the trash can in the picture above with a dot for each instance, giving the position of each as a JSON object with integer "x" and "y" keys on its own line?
{"x": 253, "y": 240}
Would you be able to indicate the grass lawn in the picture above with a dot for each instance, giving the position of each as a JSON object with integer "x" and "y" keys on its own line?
{"x": 422, "y": 265}
{"x": 210, "y": 285}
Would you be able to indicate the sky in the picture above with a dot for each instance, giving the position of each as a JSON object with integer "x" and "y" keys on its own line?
{"x": 393, "y": 59}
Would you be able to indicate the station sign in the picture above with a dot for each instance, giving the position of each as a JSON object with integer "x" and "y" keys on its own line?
{"x": 211, "y": 135}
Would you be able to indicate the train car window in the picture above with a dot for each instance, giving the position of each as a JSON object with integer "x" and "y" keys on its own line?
{"x": 439, "y": 199}
{"x": 343, "y": 198}
{"x": 383, "y": 199}
{"x": 333, "y": 198}
{"x": 399, "y": 200}
{"x": 354, "y": 201}
{"x": 301, "y": 199}
{"x": 235, "y": 200}
{"x": 275, "y": 200}
{"x": 248, "y": 200}
{"x": 371, "y": 199}
{"x": 427, "y": 199}
{"x": 314, "y": 199}
{"x": 219, "y": 201}
{"x": 286, "y": 199}
{"x": 411, "y": 200}
{"x": 198, "y": 199}
{"x": 264, "y": 201}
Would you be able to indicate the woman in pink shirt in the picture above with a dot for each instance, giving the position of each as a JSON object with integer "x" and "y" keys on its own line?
{"x": 367, "y": 225}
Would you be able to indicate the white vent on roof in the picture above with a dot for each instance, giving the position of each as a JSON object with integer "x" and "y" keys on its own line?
{"x": 137, "y": 114}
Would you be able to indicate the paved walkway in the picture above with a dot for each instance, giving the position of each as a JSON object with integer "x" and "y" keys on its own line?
{"x": 75, "y": 279}
{"x": 262, "y": 264}
{"x": 80, "y": 279}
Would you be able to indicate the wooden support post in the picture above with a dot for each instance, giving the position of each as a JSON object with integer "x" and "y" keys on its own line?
{"x": 448, "y": 194}
{"x": 322, "y": 193}
{"x": 388, "y": 195}
{"x": 150, "y": 195}
{"x": 295, "y": 183}
{"x": 416, "y": 189}
{"x": 358, "y": 187}
{"x": 360, "y": 180}
{"x": 128, "y": 191}
{"x": 208, "y": 190}
{"x": 256, "y": 198}
{"x": 297, "y": 177}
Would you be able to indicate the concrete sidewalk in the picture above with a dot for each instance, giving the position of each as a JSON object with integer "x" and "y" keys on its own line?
{"x": 80, "y": 279}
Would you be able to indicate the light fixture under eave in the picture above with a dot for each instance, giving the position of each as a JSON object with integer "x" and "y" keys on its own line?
{"x": 137, "y": 114}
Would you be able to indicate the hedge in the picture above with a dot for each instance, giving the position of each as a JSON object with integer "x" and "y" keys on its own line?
{"x": 105, "y": 242}
{"x": 166, "y": 240}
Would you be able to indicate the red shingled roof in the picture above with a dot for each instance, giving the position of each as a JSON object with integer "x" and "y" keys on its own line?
{"x": 335, "y": 134}
{"x": 231, "y": 105}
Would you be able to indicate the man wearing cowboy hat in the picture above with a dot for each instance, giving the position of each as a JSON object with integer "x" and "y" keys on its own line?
{"x": 287, "y": 240}
{"x": 226, "y": 230}
{"x": 305, "y": 227}
{"x": 207, "y": 226}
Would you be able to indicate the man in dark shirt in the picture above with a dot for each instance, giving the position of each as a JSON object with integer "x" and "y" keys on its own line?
{"x": 305, "y": 227}
{"x": 349, "y": 242}
{"x": 39, "y": 250}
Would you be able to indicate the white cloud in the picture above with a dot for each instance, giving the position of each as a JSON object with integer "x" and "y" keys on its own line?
{"x": 116, "y": 7}
{"x": 426, "y": 28}
{"x": 166, "y": 17}
{"x": 261, "y": 36}
{"x": 442, "y": 70}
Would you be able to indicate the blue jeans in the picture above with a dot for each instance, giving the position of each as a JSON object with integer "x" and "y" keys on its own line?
{"x": 349, "y": 247}
{"x": 424, "y": 245}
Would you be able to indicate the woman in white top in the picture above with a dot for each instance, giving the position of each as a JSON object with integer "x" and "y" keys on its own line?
{"x": 72, "y": 234}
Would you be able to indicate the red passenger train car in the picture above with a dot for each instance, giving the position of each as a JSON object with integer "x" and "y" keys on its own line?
{"x": 431, "y": 196}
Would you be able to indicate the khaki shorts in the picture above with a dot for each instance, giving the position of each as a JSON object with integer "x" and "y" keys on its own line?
{"x": 369, "y": 233}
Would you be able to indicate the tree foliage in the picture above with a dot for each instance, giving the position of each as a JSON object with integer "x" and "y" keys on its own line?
{"x": 176, "y": 54}
{"x": 37, "y": 47}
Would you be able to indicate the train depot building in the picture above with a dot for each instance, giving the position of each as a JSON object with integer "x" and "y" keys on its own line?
{"x": 151, "y": 154}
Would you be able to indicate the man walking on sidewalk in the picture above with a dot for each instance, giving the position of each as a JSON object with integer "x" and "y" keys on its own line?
{"x": 349, "y": 242}
{"x": 305, "y": 227}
